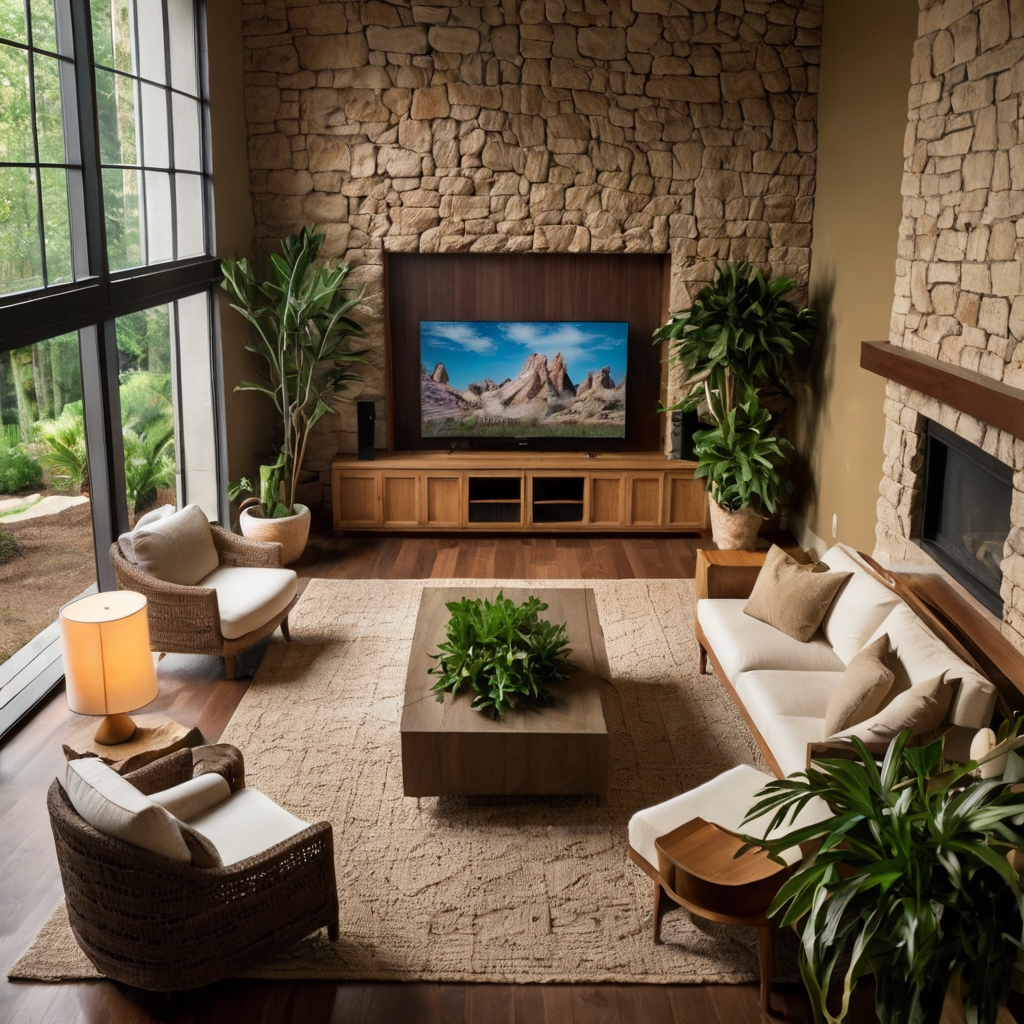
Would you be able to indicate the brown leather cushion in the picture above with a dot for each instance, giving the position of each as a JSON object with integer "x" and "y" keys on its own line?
{"x": 792, "y": 597}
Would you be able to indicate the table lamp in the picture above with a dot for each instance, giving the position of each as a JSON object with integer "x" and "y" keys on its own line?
{"x": 108, "y": 666}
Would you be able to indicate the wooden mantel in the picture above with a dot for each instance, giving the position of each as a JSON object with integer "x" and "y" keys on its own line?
{"x": 988, "y": 400}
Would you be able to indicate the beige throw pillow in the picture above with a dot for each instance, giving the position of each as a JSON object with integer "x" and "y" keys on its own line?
{"x": 921, "y": 709}
{"x": 862, "y": 690}
{"x": 178, "y": 548}
{"x": 792, "y": 597}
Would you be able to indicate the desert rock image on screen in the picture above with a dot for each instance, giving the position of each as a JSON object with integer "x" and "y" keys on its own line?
{"x": 516, "y": 379}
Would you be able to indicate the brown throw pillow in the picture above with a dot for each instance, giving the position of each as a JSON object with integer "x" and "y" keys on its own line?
{"x": 792, "y": 597}
{"x": 921, "y": 709}
{"x": 863, "y": 688}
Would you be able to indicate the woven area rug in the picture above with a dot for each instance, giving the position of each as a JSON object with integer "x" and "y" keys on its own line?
{"x": 455, "y": 889}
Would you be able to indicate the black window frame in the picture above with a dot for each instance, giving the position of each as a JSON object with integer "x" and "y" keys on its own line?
{"x": 90, "y": 306}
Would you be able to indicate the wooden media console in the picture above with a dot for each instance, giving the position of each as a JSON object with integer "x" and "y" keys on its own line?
{"x": 527, "y": 491}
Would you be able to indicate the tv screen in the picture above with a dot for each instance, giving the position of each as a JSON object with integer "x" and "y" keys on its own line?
{"x": 509, "y": 379}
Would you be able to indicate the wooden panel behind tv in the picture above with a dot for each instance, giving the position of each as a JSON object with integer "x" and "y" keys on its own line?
{"x": 526, "y": 286}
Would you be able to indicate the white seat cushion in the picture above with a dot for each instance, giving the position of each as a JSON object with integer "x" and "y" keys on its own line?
{"x": 921, "y": 655}
{"x": 742, "y": 643}
{"x": 861, "y": 604}
{"x": 178, "y": 548}
{"x": 723, "y": 801}
{"x": 249, "y": 597}
{"x": 788, "y": 709}
{"x": 191, "y": 798}
{"x": 113, "y": 806}
{"x": 245, "y": 824}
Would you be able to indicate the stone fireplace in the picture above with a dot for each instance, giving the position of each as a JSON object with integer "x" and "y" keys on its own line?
{"x": 958, "y": 274}
{"x": 684, "y": 127}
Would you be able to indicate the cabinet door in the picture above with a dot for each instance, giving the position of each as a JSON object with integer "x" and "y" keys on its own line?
{"x": 645, "y": 499}
{"x": 357, "y": 499}
{"x": 606, "y": 499}
{"x": 687, "y": 502}
{"x": 401, "y": 499}
{"x": 444, "y": 501}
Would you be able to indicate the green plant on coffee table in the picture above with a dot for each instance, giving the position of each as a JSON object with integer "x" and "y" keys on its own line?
{"x": 910, "y": 881}
{"x": 740, "y": 332}
{"x": 503, "y": 652}
{"x": 740, "y": 459}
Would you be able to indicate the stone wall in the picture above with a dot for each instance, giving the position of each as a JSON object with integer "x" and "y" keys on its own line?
{"x": 666, "y": 126}
{"x": 958, "y": 272}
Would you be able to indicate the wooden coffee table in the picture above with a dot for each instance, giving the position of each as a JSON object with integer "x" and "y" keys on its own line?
{"x": 450, "y": 750}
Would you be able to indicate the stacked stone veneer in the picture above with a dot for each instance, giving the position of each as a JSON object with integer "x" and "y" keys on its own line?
{"x": 958, "y": 275}
{"x": 499, "y": 126}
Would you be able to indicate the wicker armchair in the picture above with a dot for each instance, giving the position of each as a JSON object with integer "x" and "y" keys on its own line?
{"x": 161, "y": 925}
{"x": 186, "y": 620}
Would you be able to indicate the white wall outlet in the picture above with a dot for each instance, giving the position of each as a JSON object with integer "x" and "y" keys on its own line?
{"x": 835, "y": 524}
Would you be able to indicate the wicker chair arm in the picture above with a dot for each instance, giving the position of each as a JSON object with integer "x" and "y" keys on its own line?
{"x": 163, "y": 773}
{"x": 235, "y": 550}
{"x": 222, "y": 759}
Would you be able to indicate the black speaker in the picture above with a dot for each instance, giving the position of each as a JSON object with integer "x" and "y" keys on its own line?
{"x": 366, "y": 417}
{"x": 684, "y": 425}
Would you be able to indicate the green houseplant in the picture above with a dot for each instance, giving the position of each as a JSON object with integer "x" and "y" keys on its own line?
{"x": 738, "y": 339}
{"x": 505, "y": 653}
{"x": 910, "y": 881}
{"x": 299, "y": 314}
{"x": 740, "y": 460}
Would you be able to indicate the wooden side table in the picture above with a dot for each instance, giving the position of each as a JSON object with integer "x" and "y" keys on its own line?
{"x": 700, "y": 872}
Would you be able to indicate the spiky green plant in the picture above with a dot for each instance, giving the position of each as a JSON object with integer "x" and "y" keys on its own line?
{"x": 148, "y": 465}
{"x": 910, "y": 881}
{"x": 302, "y": 329}
{"x": 63, "y": 441}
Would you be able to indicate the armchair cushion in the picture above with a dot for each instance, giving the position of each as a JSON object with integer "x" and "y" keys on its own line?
{"x": 249, "y": 597}
{"x": 178, "y": 548}
{"x": 113, "y": 806}
{"x": 191, "y": 798}
{"x": 246, "y": 824}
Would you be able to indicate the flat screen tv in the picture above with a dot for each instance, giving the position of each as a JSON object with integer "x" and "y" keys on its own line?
{"x": 498, "y": 379}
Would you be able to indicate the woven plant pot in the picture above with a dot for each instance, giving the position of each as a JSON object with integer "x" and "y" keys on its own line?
{"x": 734, "y": 531}
{"x": 291, "y": 532}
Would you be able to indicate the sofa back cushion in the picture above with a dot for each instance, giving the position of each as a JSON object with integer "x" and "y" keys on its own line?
{"x": 859, "y": 607}
{"x": 178, "y": 548}
{"x": 919, "y": 655}
{"x": 790, "y": 596}
{"x": 863, "y": 688}
{"x": 113, "y": 806}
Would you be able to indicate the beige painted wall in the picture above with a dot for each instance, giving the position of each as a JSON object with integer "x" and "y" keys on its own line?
{"x": 249, "y": 415}
{"x": 867, "y": 47}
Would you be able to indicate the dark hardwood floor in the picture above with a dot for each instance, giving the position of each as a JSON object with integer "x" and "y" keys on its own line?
{"x": 193, "y": 690}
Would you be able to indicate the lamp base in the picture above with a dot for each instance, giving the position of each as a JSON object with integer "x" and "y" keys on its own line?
{"x": 115, "y": 729}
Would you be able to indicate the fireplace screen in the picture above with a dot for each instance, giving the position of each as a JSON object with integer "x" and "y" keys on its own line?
{"x": 966, "y": 515}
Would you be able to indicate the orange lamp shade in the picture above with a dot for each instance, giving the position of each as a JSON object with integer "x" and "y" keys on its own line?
{"x": 108, "y": 666}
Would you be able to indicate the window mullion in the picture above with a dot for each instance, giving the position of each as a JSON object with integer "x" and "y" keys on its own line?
{"x": 88, "y": 124}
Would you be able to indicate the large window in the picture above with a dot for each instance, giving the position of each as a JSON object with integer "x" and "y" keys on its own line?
{"x": 106, "y": 269}
{"x": 42, "y": 213}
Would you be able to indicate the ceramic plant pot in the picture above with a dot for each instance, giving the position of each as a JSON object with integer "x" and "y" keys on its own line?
{"x": 734, "y": 531}
{"x": 291, "y": 532}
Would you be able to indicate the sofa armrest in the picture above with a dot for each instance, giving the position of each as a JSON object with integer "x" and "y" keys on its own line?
{"x": 233, "y": 550}
{"x": 727, "y": 574}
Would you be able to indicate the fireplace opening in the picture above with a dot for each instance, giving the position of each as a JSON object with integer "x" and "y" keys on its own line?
{"x": 966, "y": 515}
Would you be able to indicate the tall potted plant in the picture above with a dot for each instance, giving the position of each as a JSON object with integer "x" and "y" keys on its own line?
{"x": 740, "y": 337}
{"x": 302, "y": 329}
{"x": 740, "y": 460}
{"x": 911, "y": 880}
